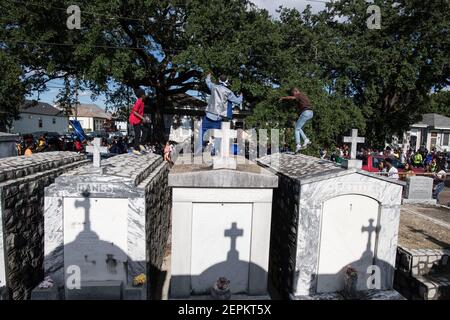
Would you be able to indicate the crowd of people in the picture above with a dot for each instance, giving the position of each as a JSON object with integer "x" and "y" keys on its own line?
{"x": 28, "y": 145}
{"x": 394, "y": 163}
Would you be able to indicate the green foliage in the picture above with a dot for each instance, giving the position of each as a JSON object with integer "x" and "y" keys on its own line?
{"x": 375, "y": 80}
{"x": 11, "y": 90}
{"x": 440, "y": 103}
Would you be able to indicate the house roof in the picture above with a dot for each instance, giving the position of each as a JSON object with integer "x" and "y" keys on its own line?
{"x": 434, "y": 120}
{"x": 40, "y": 108}
{"x": 91, "y": 111}
{"x": 185, "y": 104}
{"x": 183, "y": 100}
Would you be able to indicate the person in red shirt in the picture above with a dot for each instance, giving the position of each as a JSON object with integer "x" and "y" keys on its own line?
{"x": 78, "y": 145}
{"x": 306, "y": 114}
{"x": 136, "y": 120}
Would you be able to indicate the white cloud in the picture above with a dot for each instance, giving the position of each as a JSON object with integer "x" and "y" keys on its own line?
{"x": 272, "y": 5}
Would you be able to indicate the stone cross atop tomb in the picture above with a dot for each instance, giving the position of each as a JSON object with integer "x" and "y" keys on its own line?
{"x": 224, "y": 161}
{"x": 96, "y": 149}
{"x": 354, "y": 140}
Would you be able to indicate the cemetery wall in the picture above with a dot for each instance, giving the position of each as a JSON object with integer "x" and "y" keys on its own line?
{"x": 22, "y": 183}
{"x": 283, "y": 236}
{"x": 158, "y": 199}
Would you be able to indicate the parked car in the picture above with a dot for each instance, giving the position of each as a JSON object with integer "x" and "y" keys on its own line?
{"x": 117, "y": 134}
{"x": 100, "y": 134}
{"x": 371, "y": 163}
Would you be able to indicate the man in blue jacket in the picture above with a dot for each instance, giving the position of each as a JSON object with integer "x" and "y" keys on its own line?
{"x": 217, "y": 109}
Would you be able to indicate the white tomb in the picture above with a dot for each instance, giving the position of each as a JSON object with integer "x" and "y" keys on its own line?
{"x": 107, "y": 227}
{"x": 220, "y": 228}
{"x": 329, "y": 219}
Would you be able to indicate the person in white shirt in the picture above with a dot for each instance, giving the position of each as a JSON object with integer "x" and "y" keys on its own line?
{"x": 392, "y": 171}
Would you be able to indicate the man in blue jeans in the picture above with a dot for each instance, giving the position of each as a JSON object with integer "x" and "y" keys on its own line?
{"x": 218, "y": 106}
{"x": 306, "y": 114}
{"x": 439, "y": 182}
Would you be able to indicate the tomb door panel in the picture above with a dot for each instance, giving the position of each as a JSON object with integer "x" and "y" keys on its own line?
{"x": 220, "y": 245}
{"x": 348, "y": 236}
{"x": 95, "y": 237}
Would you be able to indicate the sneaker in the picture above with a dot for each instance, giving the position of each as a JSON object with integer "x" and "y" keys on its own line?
{"x": 298, "y": 148}
{"x": 307, "y": 142}
{"x": 136, "y": 152}
{"x": 142, "y": 147}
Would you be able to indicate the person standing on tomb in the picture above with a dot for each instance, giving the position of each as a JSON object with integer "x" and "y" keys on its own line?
{"x": 306, "y": 114}
{"x": 392, "y": 171}
{"x": 137, "y": 120}
{"x": 439, "y": 182}
{"x": 218, "y": 105}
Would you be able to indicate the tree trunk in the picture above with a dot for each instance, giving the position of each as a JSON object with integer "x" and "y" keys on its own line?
{"x": 158, "y": 135}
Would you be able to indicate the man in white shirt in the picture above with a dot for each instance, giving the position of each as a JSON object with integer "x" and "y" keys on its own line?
{"x": 392, "y": 171}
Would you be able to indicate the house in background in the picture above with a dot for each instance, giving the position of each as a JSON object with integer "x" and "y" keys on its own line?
{"x": 432, "y": 132}
{"x": 185, "y": 111}
{"x": 39, "y": 116}
{"x": 91, "y": 117}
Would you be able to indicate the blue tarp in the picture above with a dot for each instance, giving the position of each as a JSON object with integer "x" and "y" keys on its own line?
{"x": 78, "y": 129}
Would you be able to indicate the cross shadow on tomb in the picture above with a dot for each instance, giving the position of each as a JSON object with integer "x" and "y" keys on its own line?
{"x": 308, "y": 276}
{"x": 322, "y": 283}
{"x": 241, "y": 273}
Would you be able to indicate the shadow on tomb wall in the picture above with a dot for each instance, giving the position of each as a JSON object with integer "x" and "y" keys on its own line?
{"x": 115, "y": 264}
{"x": 332, "y": 284}
{"x": 366, "y": 275}
{"x": 245, "y": 277}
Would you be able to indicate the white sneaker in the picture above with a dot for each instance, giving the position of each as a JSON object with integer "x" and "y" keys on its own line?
{"x": 136, "y": 152}
{"x": 307, "y": 142}
{"x": 298, "y": 148}
{"x": 142, "y": 147}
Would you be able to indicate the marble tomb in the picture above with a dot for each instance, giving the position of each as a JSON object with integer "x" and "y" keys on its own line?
{"x": 109, "y": 224}
{"x": 220, "y": 228}
{"x": 22, "y": 183}
{"x": 327, "y": 219}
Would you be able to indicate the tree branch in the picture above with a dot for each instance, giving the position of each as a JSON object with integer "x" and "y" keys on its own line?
{"x": 184, "y": 88}
{"x": 185, "y": 77}
{"x": 139, "y": 51}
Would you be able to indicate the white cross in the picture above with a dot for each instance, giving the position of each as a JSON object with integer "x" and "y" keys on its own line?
{"x": 354, "y": 140}
{"x": 224, "y": 161}
{"x": 96, "y": 149}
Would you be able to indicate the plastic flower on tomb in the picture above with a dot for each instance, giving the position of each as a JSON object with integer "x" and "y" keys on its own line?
{"x": 351, "y": 272}
{"x": 139, "y": 280}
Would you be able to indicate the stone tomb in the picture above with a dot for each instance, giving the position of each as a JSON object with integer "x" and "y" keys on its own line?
{"x": 419, "y": 190}
{"x": 220, "y": 228}
{"x": 110, "y": 224}
{"x": 22, "y": 183}
{"x": 8, "y": 143}
{"x": 326, "y": 219}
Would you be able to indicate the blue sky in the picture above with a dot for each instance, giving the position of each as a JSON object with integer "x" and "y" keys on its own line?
{"x": 85, "y": 97}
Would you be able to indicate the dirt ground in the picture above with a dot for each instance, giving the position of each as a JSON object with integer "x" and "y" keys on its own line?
{"x": 444, "y": 197}
{"x": 424, "y": 227}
